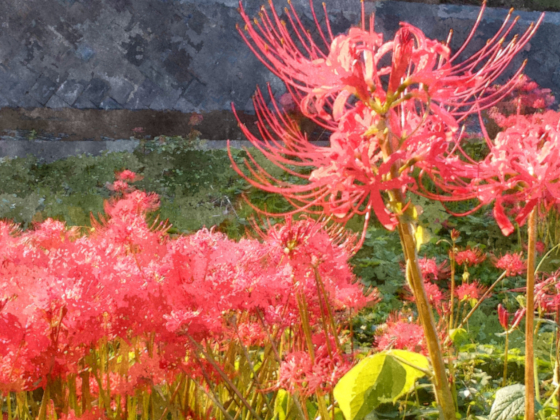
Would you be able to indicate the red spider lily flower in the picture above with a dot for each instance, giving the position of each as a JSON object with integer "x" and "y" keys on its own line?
{"x": 540, "y": 247}
{"x": 547, "y": 293}
{"x": 469, "y": 291}
{"x": 522, "y": 171}
{"x": 523, "y": 167}
{"x": 512, "y": 263}
{"x": 429, "y": 268}
{"x": 427, "y": 91}
{"x": 128, "y": 176}
{"x": 526, "y": 98}
{"x": 403, "y": 335}
{"x": 470, "y": 257}
{"x": 118, "y": 186}
{"x": 326, "y": 76}
{"x": 435, "y": 296}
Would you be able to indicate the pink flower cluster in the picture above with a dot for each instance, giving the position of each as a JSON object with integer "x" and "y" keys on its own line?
{"x": 128, "y": 282}
{"x": 526, "y": 97}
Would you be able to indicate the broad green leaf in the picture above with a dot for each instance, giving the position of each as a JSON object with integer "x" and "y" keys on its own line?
{"x": 459, "y": 336}
{"x": 509, "y": 403}
{"x": 311, "y": 409}
{"x": 412, "y": 374}
{"x": 378, "y": 379}
{"x": 281, "y": 405}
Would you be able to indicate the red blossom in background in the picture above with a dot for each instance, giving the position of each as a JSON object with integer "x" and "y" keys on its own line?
{"x": 468, "y": 291}
{"x": 512, "y": 263}
{"x": 470, "y": 257}
{"x": 547, "y": 293}
{"x": 521, "y": 172}
{"x": 526, "y": 98}
{"x": 128, "y": 280}
{"x": 431, "y": 270}
{"x": 403, "y": 335}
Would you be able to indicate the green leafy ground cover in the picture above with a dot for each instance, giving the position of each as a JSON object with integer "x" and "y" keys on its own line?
{"x": 198, "y": 188}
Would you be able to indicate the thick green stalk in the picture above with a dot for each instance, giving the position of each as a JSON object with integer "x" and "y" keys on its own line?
{"x": 452, "y": 291}
{"x": 506, "y": 359}
{"x": 444, "y": 396}
{"x": 530, "y": 321}
{"x": 557, "y": 364}
{"x": 443, "y": 392}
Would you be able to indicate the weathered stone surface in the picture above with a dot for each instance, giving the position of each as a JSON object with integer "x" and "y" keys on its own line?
{"x": 187, "y": 56}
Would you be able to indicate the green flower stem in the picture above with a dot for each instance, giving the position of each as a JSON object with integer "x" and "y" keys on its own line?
{"x": 443, "y": 392}
{"x": 484, "y": 296}
{"x": 452, "y": 297}
{"x": 506, "y": 358}
{"x": 557, "y": 365}
{"x": 530, "y": 321}
{"x": 440, "y": 380}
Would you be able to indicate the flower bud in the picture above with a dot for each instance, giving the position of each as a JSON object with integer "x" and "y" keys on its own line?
{"x": 519, "y": 314}
{"x": 503, "y": 317}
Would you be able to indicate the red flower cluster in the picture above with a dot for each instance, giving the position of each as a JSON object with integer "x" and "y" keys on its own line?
{"x": 470, "y": 257}
{"x": 526, "y": 98}
{"x": 513, "y": 263}
{"x": 547, "y": 293}
{"x": 431, "y": 270}
{"x": 468, "y": 291}
{"x": 522, "y": 170}
{"x": 403, "y": 335}
{"x": 128, "y": 283}
{"x": 301, "y": 373}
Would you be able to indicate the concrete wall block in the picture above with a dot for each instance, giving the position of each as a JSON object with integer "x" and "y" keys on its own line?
{"x": 70, "y": 89}
{"x": 56, "y": 102}
{"x": 43, "y": 89}
{"x": 187, "y": 54}
{"x": 142, "y": 97}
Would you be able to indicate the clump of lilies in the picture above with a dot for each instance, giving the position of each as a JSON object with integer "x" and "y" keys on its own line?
{"x": 388, "y": 120}
{"x": 125, "y": 322}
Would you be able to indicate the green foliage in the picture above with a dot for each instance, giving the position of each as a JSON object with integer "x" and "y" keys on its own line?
{"x": 383, "y": 377}
{"x": 509, "y": 403}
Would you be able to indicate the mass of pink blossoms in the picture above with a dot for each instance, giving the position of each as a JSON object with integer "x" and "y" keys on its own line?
{"x": 384, "y": 119}
{"x": 128, "y": 283}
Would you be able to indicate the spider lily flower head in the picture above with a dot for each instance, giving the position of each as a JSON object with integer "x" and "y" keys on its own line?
{"x": 402, "y": 334}
{"x": 547, "y": 293}
{"x": 435, "y": 296}
{"x": 470, "y": 257}
{"x": 406, "y": 114}
{"x": 523, "y": 167}
{"x": 431, "y": 270}
{"x": 470, "y": 291}
{"x": 512, "y": 263}
{"x": 330, "y": 72}
{"x": 520, "y": 173}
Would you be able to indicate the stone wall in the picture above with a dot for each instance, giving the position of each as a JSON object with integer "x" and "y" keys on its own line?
{"x": 59, "y": 58}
